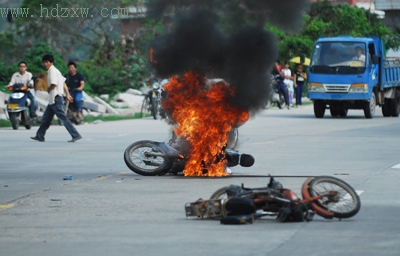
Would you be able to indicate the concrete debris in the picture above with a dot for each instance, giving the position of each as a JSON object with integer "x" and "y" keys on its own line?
{"x": 109, "y": 109}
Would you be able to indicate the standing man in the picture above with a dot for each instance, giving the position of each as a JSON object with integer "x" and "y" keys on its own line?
{"x": 55, "y": 107}
{"x": 75, "y": 83}
{"x": 24, "y": 77}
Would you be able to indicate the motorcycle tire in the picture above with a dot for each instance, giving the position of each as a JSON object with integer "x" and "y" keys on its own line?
{"x": 222, "y": 193}
{"x": 135, "y": 158}
{"x": 145, "y": 107}
{"x": 14, "y": 120}
{"x": 154, "y": 108}
{"x": 282, "y": 102}
{"x": 345, "y": 204}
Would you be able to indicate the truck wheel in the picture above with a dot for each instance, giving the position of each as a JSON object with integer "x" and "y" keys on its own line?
{"x": 395, "y": 105}
{"x": 319, "y": 108}
{"x": 386, "y": 108}
{"x": 369, "y": 108}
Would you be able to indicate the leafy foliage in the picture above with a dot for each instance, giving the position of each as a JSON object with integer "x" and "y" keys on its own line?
{"x": 323, "y": 19}
{"x": 34, "y": 55}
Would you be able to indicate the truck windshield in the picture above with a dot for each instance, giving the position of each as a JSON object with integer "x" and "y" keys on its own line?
{"x": 338, "y": 58}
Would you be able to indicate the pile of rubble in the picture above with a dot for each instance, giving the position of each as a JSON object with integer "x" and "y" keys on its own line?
{"x": 123, "y": 104}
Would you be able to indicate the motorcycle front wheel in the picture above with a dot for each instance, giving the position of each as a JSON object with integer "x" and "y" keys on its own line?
{"x": 338, "y": 197}
{"x": 154, "y": 109}
{"x": 146, "y": 158}
{"x": 14, "y": 120}
{"x": 282, "y": 102}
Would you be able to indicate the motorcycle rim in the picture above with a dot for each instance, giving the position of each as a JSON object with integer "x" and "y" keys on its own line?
{"x": 338, "y": 197}
{"x": 137, "y": 158}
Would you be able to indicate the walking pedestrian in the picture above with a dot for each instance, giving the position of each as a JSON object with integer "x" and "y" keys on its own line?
{"x": 55, "y": 107}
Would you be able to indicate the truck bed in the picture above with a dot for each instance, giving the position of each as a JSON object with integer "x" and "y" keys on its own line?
{"x": 391, "y": 70}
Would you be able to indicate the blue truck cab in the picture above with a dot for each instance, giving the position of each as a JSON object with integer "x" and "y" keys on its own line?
{"x": 352, "y": 73}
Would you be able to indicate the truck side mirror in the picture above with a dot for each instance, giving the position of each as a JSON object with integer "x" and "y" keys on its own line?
{"x": 375, "y": 59}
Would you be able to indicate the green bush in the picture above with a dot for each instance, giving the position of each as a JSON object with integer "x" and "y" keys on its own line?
{"x": 33, "y": 58}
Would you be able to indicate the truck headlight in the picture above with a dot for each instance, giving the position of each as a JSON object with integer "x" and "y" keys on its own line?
{"x": 360, "y": 88}
{"x": 316, "y": 87}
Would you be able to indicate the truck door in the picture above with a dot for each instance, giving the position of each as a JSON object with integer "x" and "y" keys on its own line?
{"x": 373, "y": 68}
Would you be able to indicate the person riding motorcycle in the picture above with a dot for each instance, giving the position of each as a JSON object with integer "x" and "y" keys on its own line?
{"x": 75, "y": 83}
{"x": 276, "y": 72}
{"x": 25, "y": 77}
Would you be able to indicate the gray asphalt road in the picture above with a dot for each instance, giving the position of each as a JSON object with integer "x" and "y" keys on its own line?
{"x": 108, "y": 210}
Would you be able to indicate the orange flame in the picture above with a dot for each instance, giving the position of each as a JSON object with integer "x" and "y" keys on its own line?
{"x": 204, "y": 118}
{"x": 151, "y": 56}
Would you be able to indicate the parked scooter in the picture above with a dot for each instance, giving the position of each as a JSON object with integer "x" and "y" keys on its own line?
{"x": 18, "y": 106}
{"x": 278, "y": 93}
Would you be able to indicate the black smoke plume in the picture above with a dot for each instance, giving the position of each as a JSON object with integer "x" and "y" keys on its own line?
{"x": 244, "y": 59}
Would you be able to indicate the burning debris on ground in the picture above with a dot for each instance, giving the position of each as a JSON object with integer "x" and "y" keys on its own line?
{"x": 194, "y": 50}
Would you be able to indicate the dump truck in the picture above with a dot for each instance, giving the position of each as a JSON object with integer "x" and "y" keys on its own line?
{"x": 353, "y": 73}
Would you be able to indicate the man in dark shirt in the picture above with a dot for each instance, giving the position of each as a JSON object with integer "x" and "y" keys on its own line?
{"x": 75, "y": 83}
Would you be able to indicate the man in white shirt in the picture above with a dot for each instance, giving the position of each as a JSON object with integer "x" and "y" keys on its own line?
{"x": 359, "y": 56}
{"x": 25, "y": 77}
{"x": 56, "y": 87}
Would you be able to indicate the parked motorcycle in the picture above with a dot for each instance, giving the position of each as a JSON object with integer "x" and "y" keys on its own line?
{"x": 18, "y": 106}
{"x": 151, "y": 158}
{"x": 327, "y": 196}
{"x": 277, "y": 96}
{"x": 70, "y": 111}
{"x": 151, "y": 103}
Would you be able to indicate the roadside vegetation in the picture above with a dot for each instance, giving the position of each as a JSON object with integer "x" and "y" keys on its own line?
{"x": 112, "y": 63}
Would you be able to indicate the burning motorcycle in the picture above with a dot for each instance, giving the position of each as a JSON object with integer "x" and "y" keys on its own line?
{"x": 326, "y": 196}
{"x": 151, "y": 158}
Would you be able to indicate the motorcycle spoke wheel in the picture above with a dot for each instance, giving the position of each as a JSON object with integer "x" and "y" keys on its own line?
{"x": 146, "y": 107}
{"x": 139, "y": 159}
{"x": 338, "y": 197}
{"x": 220, "y": 194}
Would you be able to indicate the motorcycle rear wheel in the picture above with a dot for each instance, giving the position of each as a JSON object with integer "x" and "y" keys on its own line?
{"x": 137, "y": 157}
{"x": 345, "y": 204}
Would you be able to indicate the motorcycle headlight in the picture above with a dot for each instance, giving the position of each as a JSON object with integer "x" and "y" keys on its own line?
{"x": 156, "y": 86}
{"x": 316, "y": 87}
{"x": 359, "y": 88}
{"x": 17, "y": 95}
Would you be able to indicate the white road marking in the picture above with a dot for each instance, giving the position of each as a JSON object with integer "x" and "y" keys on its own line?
{"x": 397, "y": 166}
{"x": 359, "y": 192}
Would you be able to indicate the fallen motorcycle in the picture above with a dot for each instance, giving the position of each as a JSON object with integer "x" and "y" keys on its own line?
{"x": 326, "y": 196}
{"x": 151, "y": 158}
